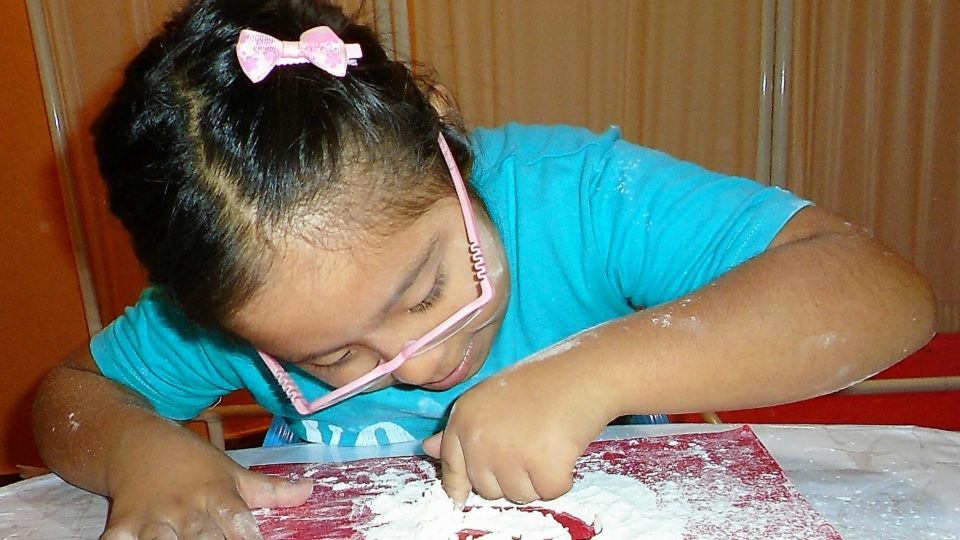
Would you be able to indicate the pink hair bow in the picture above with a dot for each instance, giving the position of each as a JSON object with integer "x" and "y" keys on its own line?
{"x": 259, "y": 53}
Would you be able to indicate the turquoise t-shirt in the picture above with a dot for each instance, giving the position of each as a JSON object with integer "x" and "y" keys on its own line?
{"x": 593, "y": 227}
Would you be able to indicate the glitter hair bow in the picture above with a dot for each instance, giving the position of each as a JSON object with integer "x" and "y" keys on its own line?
{"x": 259, "y": 53}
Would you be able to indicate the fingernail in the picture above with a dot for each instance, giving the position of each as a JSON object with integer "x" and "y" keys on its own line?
{"x": 456, "y": 503}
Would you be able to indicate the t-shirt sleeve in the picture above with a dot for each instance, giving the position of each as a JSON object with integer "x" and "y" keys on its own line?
{"x": 154, "y": 350}
{"x": 666, "y": 227}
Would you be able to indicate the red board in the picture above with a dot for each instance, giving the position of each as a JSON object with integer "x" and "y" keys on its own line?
{"x": 731, "y": 485}
{"x": 939, "y": 358}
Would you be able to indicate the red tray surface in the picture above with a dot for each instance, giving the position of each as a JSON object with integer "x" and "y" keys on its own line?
{"x": 730, "y": 483}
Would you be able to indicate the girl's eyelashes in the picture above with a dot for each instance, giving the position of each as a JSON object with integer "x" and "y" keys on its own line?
{"x": 338, "y": 363}
{"x": 435, "y": 292}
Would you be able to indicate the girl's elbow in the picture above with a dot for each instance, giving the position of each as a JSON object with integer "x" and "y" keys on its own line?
{"x": 926, "y": 310}
{"x": 918, "y": 302}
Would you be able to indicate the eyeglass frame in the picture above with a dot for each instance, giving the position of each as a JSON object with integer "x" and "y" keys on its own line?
{"x": 411, "y": 348}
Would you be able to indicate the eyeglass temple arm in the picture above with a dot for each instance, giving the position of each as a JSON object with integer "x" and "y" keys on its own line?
{"x": 462, "y": 194}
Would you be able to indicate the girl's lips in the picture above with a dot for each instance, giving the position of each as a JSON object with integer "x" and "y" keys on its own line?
{"x": 457, "y": 375}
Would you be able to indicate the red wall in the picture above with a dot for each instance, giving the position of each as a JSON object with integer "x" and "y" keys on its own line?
{"x": 935, "y": 409}
{"x": 41, "y": 314}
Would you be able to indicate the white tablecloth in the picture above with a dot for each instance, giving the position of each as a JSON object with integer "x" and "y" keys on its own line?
{"x": 871, "y": 482}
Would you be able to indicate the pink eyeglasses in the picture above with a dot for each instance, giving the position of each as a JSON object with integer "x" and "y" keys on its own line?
{"x": 438, "y": 335}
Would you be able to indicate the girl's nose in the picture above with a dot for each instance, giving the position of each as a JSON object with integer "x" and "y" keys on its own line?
{"x": 419, "y": 370}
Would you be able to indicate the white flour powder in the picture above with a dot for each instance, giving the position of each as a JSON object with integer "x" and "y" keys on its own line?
{"x": 617, "y": 506}
{"x": 717, "y": 488}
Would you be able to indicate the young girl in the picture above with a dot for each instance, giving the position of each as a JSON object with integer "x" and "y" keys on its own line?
{"x": 301, "y": 212}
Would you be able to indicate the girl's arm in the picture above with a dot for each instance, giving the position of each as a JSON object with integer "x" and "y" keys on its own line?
{"x": 162, "y": 478}
{"x": 822, "y": 308}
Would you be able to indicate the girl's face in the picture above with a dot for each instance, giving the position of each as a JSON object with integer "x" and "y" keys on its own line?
{"x": 337, "y": 313}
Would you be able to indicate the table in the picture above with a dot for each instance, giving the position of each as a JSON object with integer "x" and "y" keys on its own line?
{"x": 871, "y": 482}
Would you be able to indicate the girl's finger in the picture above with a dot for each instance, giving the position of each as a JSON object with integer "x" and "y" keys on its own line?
{"x": 158, "y": 531}
{"x": 454, "y": 471}
{"x": 117, "y": 532}
{"x": 549, "y": 481}
{"x": 431, "y": 445}
{"x": 262, "y": 491}
{"x": 201, "y": 527}
{"x": 235, "y": 520}
{"x": 516, "y": 484}
{"x": 484, "y": 482}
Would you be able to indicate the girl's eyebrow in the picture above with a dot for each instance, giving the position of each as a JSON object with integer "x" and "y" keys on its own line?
{"x": 408, "y": 281}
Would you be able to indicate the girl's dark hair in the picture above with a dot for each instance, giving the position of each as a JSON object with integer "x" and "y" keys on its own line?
{"x": 210, "y": 172}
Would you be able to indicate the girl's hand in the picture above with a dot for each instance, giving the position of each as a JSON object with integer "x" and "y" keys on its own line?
{"x": 209, "y": 497}
{"x": 164, "y": 481}
{"x": 518, "y": 434}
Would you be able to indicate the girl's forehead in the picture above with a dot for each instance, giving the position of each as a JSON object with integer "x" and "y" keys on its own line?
{"x": 310, "y": 289}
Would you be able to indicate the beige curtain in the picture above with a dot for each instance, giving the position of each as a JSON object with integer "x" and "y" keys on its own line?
{"x": 678, "y": 75}
{"x": 855, "y": 105}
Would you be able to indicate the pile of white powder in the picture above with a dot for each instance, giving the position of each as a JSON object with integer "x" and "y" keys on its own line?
{"x": 616, "y": 506}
